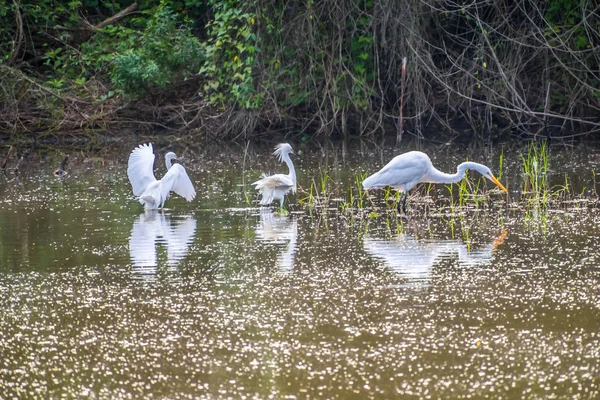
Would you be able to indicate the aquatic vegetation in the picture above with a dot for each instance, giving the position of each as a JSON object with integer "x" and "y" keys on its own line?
{"x": 562, "y": 191}
{"x": 318, "y": 194}
{"x": 357, "y": 197}
{"x": 538, "y": 195}
{"x": 535, "y": 170}
{"x": 501, "y": 165}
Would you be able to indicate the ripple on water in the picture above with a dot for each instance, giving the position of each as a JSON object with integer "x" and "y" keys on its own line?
{"x": 99, "y": 299}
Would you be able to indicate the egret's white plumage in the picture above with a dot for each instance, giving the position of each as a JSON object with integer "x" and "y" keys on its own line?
{"x": 275, "y": 187}
{"x": 153, "y": 193}
{"x": 405, "y": 171}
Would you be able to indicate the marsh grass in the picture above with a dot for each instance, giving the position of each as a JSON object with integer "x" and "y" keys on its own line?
{"x": 562, "y": 191}
{"x": 501, "y": 165}
{"x": 321, "y": 192}
{"x": 535, "y": 170}
{"x": 311, "y": 197}
{"x": 357, "y": 197}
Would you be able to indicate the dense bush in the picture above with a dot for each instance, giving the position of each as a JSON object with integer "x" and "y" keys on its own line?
{"x": 161, "y": 54}
{"x": 523, "y": 67}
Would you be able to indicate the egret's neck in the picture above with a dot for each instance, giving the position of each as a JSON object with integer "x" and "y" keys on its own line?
{"x": 290, "y": 164}
{"x": 168, "y": 162}
{"x": 437, "y": 176}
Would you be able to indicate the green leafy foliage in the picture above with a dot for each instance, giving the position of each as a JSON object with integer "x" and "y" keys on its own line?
{"x": 231, "y": 52}
{"x": 163, "y": 52}
{"x": 327, "y": 66}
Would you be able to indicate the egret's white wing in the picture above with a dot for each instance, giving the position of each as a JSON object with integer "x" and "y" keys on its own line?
{"x": 140, "y": 168}
{"x": 275, "y": 181}
{"x": 274, "y": 187}
{"x": 407, "y": 168}
{"x": 177, "y": 180}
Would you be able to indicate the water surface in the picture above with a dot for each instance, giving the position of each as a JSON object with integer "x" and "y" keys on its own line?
{"x": 218, "y": 298}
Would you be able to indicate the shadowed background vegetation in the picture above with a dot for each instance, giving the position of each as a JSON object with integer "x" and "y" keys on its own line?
{"x": 257, "y": 67}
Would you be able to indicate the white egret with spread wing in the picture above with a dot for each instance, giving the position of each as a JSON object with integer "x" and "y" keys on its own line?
{"x": 275, "y": 187}
{"x": 409, "y": 169}
{"x": 153, "y": 193}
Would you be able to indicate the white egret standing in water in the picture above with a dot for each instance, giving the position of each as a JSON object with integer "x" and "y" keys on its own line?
{"x": 153, "y": 193}
{"x": 275, "y": 187}
{"x": 407, "y": 170}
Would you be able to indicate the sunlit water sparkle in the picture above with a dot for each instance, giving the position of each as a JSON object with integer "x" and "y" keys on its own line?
{"x": 221, "y": 299}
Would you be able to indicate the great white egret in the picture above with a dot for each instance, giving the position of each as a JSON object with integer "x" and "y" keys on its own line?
{"x": 275, "y": 187}
{"x": 409, "y": 169}
{"x": 153, "y": 193}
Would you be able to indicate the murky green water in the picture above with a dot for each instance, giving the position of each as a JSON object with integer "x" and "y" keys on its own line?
{"x": 217, "y": 298}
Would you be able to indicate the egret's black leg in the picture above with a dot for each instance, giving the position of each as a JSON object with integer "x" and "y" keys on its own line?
{"x": 402, "y": 203}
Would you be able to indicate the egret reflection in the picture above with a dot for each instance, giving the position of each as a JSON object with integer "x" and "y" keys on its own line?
{"x": 153, "y": 228}
{"x": 279, "y": 229}
{"x": 414, "y": 258}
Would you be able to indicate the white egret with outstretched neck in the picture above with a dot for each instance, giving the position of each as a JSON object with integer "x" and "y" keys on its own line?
{"x": 153, "y": 193}
{"x": 275, "y": 187}
{"x": 407, "y": 170}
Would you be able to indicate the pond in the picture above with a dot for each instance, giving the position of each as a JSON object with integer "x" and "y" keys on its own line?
{"x": 492, "y": 297}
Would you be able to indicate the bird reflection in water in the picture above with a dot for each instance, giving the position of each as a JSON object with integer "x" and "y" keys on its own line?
{"x": 152, "y": 228}
{"x": 279, "y": 229}
{"x": 414, "y": 258}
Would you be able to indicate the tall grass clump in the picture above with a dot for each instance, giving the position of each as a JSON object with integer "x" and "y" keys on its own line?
{"x": 357, "y": 197}
{"x": 319, "y": 193}
{"x": 535, "y": 184}
{"x": 535, "y": 170}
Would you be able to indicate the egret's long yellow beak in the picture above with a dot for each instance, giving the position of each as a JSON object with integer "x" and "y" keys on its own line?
{"x": 497, "y": 182}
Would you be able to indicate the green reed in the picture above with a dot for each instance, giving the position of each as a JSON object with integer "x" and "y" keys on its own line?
{"x": 392, "y": 198}
{"x": 563, "y": 190}
{"x": 535, "y": 169}
{"x": 362, "y": 194}
{"x": 357, "y": 197}
{"x": 319, "y": 192}
{"x": 450, "y": 188}
{"x": 535, "y": 185}
{"x": 501, "y": 165}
